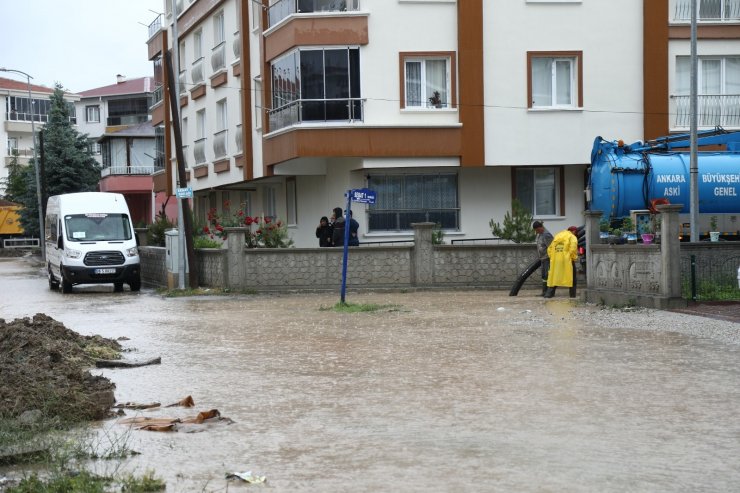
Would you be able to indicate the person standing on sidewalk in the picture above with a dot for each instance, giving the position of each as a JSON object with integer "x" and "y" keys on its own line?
{"x": 542, "y": 238}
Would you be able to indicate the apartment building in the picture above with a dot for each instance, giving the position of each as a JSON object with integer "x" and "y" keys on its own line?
{"x": 16, "y": 132}
{"x": 447, "y": 109}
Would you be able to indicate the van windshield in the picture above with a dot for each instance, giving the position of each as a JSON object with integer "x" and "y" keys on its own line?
{"x": 97, "y": 227}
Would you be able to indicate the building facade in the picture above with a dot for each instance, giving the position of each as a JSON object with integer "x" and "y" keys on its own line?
{"x": 16, "y": 132}
{"x": 285, "y": 105}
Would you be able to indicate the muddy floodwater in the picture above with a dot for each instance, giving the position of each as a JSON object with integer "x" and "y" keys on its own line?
{"x": 439, "y": 391}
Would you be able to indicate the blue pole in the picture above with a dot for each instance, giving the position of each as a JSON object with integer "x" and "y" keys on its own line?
{"x": 346, "y": 244}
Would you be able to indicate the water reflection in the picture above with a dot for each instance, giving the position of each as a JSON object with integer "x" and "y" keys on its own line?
{"x": 457, "y": 391}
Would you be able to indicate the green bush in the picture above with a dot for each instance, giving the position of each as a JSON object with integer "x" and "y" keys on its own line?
{"x": 517, "y": 225}
{"x": 155, "y": 233}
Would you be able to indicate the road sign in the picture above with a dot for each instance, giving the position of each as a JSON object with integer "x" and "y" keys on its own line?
{"x": 363, "y": 196}
{"x": 185, "y": 193}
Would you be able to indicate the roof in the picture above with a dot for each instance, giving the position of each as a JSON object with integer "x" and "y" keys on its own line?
{"x": 19, "y": 85}
{"x": 132, "y": 86}
{"x": 142, "y": 130}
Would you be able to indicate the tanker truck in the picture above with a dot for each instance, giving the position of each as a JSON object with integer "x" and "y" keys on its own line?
{"x": 628, "y": 180}
{"x": 10, "y": 221}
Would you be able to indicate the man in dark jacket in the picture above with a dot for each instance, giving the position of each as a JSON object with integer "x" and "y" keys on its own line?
{"x": 354, "y": 227}
{"x": 542, "y": 238}
{"x": 337, "y": 236}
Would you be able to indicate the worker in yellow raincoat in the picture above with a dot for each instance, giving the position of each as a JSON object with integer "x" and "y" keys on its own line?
{"x": 563, "y": 252}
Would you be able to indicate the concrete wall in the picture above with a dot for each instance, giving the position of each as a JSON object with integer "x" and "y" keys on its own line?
{"x": 422, "y": 265}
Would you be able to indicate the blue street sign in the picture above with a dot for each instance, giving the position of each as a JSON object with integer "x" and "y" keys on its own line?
{"x": 185, "y": 193}
{"x": 363, "y": 196}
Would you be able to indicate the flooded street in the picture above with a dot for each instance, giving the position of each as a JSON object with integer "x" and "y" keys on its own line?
{"x": 442, "y": 391}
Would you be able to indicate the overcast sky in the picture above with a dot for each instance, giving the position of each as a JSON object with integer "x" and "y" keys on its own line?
{"x": 83, "y": 44}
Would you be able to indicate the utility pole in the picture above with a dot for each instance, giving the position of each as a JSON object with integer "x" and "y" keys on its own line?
{"x": 693, "y": 109}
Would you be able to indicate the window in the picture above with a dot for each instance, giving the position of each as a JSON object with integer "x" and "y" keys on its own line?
{"x": 555, "y": 79}
{"x": 256, "y": 15}
{"x": 24, "y": 109}
{"x": 92, "y": 114}
{"x": 221, "y": 116}
{"x": 200, "y": 124}
{"x": 405, "y": 199}
{"x": 324, "y": 83}
{"x": 94, "y": 147}
{"x": 290, "y": 201}
{"x": 197, "y": 46}
{"x": 219, "y": 33}
{"x": 12, "y": 145}
{"x": 268, "y": 202}
{"x": 427, "y": 80}
{"x": 708, "y": 10}
{"x": 539, "y": 189}
{"x": 257, "y": 103}
{"x": 716, "y": 75}
{"x": 718, "y": 87}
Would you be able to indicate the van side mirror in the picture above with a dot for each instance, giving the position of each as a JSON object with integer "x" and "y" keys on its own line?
{"x": 60, "y": 242}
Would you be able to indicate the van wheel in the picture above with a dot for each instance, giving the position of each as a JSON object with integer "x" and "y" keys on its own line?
{"x": 135, "y": 284}
{"x": 117, "y": 287}
{"x": 66, "y": 286}
{"x": 53, "y": 283}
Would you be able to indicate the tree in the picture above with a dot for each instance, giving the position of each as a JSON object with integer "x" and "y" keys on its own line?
{"x": 68, "y": 164}
{"x": 517, "y": 225}
{"x": 15, "y": 182}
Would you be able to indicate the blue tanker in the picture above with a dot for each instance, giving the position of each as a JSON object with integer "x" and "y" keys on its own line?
{"x": 623, "y": 178}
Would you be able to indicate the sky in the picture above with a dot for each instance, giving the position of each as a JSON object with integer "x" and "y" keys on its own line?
{"x": 82, "y": 44}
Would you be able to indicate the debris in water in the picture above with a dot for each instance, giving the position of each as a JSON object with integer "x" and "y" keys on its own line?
{"x": 247, "y": 476}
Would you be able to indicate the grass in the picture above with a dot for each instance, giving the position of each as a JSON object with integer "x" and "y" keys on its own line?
{"x": 359, "y": 307}
{"x": 87, "y": 482}
{"x": 716, "y": 289}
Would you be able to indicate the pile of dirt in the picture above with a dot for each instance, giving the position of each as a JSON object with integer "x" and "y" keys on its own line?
{"x": 44, "y": 368}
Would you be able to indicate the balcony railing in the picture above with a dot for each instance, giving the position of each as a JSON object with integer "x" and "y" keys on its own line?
{"x": 113, "y": 121}
{"x": 709, "y": 10}
{"x": 220, "y": 143}
{"x": 239, "y": 139}
{"x": 20, "y": 152}
{"x": 199, "y": 150}
{"x": 196, "y": 74}
{"x": 316, "y": 110}
{"x": 157, "y": 95}
{"x": 712, "y": 111}
{"x": 237, "y": 45}
{"x": 181, "y": 82}
{"x": 283, "y": 8}
{"x": 129, "y": 170}
{"x": 218, "y": 56}
{"x": 155, "y": 26}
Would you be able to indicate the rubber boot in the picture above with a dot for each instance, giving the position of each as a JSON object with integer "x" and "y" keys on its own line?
{"x": 550, "y": 292}
{"x": 544, "y": 290}
{"x": 572, "y": 291}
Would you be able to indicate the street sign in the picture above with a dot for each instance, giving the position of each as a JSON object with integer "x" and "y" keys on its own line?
{"x": 363, "y": 196}
{"x": 185, "y": 193}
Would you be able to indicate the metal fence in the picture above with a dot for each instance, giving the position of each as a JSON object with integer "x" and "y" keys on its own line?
{"x": 710, "y": 278}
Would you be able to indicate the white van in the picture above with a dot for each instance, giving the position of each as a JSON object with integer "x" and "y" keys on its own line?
{"x": 90, "y": 240}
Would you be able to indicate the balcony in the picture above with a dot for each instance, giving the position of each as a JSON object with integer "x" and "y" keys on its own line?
{"x": 114, "y": 121}
{"x": 199, "y": 151}
{"x": 196, "y": 73}
{"x": 237, "y": 45}
{"x": 239, "y": 139}
{"x": 155, "y": 26}
{"x": 220, "y": 143}
{"x": 157, "y": 95}
{"x": 284, "y": 8}
{"x": 218, "y": 57}
{"x": 316, "y": 111}
{"x": 129, "y": 170}
{"x": 712, "y": 111}
{"x": 709, "y": 10}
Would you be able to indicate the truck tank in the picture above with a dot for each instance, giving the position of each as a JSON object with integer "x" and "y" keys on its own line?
{"x": 10, "y": 223}
{"x": 622, "y": 179}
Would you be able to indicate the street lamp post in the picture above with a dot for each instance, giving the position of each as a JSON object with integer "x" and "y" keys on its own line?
{"x": 35, "y": 161}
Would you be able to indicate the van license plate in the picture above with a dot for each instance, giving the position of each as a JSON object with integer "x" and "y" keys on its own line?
{"x": 105, "y": 271}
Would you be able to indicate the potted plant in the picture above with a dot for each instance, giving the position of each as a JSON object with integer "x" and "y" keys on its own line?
{"x": 604, "y": 230}
{"x": 628, "y": 226}
{"x": 615, "y": 237}
{"x": 436, "y": 100}
{"x": 713, "y": 233}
